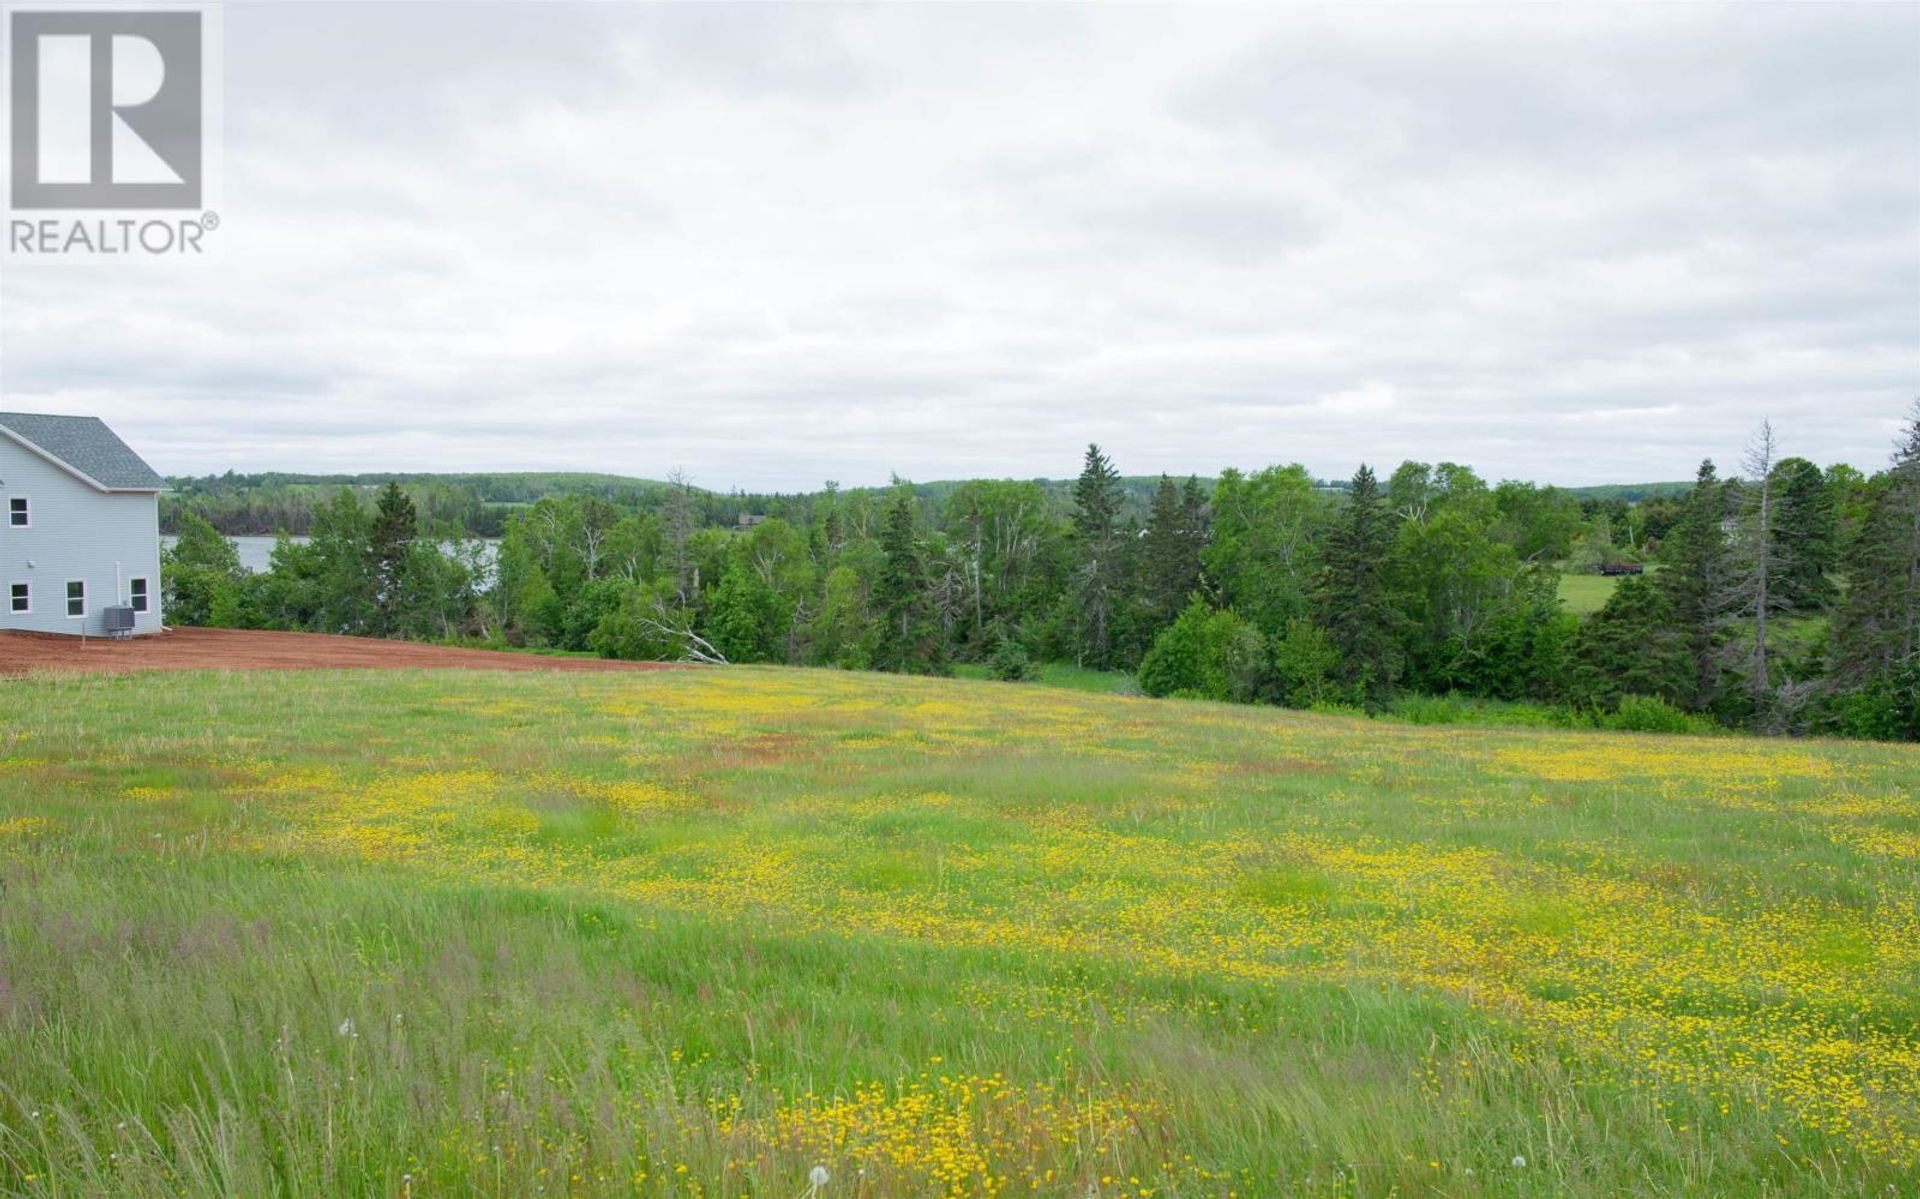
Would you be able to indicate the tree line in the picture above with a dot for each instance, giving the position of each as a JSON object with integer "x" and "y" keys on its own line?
{"x": 1784, "y": 598}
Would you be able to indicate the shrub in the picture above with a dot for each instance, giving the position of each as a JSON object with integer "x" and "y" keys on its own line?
{"x": 1885, "y": 708}
{"x": 1206, "y": 654}
{"x": 1010, "y": 662}
{"x": 1459, "y": 709}
{"x": 1305, "y": 664}
{"x": 1650, "y": 714}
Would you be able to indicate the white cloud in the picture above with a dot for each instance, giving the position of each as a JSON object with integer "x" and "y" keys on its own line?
{"x": 779, "y": 245}
{"x": 1372, "y": 397}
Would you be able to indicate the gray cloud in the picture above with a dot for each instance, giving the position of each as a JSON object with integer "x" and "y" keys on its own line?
{"x": 777, "y": 245}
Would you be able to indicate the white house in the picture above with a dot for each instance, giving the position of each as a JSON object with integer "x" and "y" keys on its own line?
{"x": 80, "y": 530}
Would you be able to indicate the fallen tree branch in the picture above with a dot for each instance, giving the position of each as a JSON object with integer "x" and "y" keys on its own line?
{"x": 697, "y": 648}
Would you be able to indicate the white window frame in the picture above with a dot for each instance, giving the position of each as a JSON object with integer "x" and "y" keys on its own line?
{"x": 140, "y": 599}
{"x": 82, "y": 613}
{"x": 26, "y": 611}
{"x": 26, "y": 511}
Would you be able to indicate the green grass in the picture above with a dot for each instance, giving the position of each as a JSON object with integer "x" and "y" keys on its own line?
{"x": 1586, "y": 594}
{"x": 1066, "y": 674}
{"x": 693, "y": 933}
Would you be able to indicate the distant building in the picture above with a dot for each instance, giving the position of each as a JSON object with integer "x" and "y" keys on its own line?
{"x": 748, "y": 520}
{"x": 80, "y": 534}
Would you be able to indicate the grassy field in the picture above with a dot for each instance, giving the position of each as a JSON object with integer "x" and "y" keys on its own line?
{"x": 1585, "y": 594}
{"x": 696, "y": 933}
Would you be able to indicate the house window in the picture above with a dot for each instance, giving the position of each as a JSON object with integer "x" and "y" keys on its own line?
{"x": 20, "y": 598}
{"x": 76, "y": 597}
{"x": 138, "y": 596}
{"x": 17, "y": 514}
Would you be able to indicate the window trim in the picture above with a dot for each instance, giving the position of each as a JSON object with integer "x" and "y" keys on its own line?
{"x": 82, "y": 613}
{"x": 139, "y": 594}
{"x": 27, "y": 586}
{"x": 26, "y": 510}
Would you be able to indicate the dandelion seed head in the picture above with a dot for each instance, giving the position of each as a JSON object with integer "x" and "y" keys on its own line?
{"x": 817, "y": 1176}
{"x": 1519, "y": 1162}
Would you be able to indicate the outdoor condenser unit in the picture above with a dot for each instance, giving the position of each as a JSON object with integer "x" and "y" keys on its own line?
{"x": 119, "y": 620}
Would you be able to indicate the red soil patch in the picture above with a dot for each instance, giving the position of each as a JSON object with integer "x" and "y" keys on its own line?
{"x": 249, "y": 649}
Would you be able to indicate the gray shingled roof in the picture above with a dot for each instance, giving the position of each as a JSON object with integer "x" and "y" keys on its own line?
{"x": 86, "y": 445}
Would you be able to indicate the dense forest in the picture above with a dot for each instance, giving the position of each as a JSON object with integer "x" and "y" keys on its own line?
{"x": 479, "y": 505}
{"x": 1782, "y": 598}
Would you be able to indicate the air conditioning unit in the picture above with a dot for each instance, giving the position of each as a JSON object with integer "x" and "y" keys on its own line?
{"x": 119, "y": 620}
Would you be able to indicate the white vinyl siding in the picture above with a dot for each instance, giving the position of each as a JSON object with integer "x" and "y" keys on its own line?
{"x": 75, "y": 532}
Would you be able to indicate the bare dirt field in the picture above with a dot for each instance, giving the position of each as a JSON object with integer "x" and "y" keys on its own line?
{"x": 246, "y": 649}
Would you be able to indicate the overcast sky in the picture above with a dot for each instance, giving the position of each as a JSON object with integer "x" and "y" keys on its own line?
{"x": 778, "y": 245}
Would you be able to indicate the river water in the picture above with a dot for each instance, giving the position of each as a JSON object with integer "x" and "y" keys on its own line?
{"x": 256, "y": 553}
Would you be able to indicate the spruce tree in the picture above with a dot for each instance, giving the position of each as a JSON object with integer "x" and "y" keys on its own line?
{"x": 1196, "y": 520}
{"x": 1096, "y": 528}
{"x": 1805, "y": 528}
{"x": 1877, "y": 629}
{"x": 1171, "y": 553}
{"x": 1352, "y": 603}
{"x": 905, "y": 639}
{"x": 1632, "y": 646}
{"x": 1693, "y": 574}
{"x": 1905, "y": 477}
{"x": 390, "y": 546}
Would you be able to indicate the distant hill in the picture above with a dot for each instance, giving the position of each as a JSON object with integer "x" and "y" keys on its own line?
{"x": 474, "y": 503}
{"x": 493, "y": 487}
{"x": 524, "y": 487}
{"x": 1138, "y": 489}
{"x": 480, "y": 502}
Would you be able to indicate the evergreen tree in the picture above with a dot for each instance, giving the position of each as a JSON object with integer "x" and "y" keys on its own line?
{"x": 1693, "y": 574}
{"x": 907, "y": 638}
{"x": 1010, "y": 662}
{"x": 390, "y": 545}
{"x": 1196, "y": 520}
{"x": 1352, "y": 603}
{"x": 1096, "y": 527}
{"x": 1805, "y": 528}
{"x": 1632, "y": 646}
{"x": 1905, "y": 476}
{"x": 1877, "y": 630}
{"x": 1170, "y": 552}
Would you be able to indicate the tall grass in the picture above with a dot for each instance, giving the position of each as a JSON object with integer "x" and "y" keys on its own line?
{"x": 696, "y": 933}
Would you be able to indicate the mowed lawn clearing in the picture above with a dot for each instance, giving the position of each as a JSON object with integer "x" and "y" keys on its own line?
{"x": 1585, "y": 594}
{"x": 695, "y": 933}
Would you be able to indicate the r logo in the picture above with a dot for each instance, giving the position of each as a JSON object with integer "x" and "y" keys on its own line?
{"x": 106, "y": 110}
